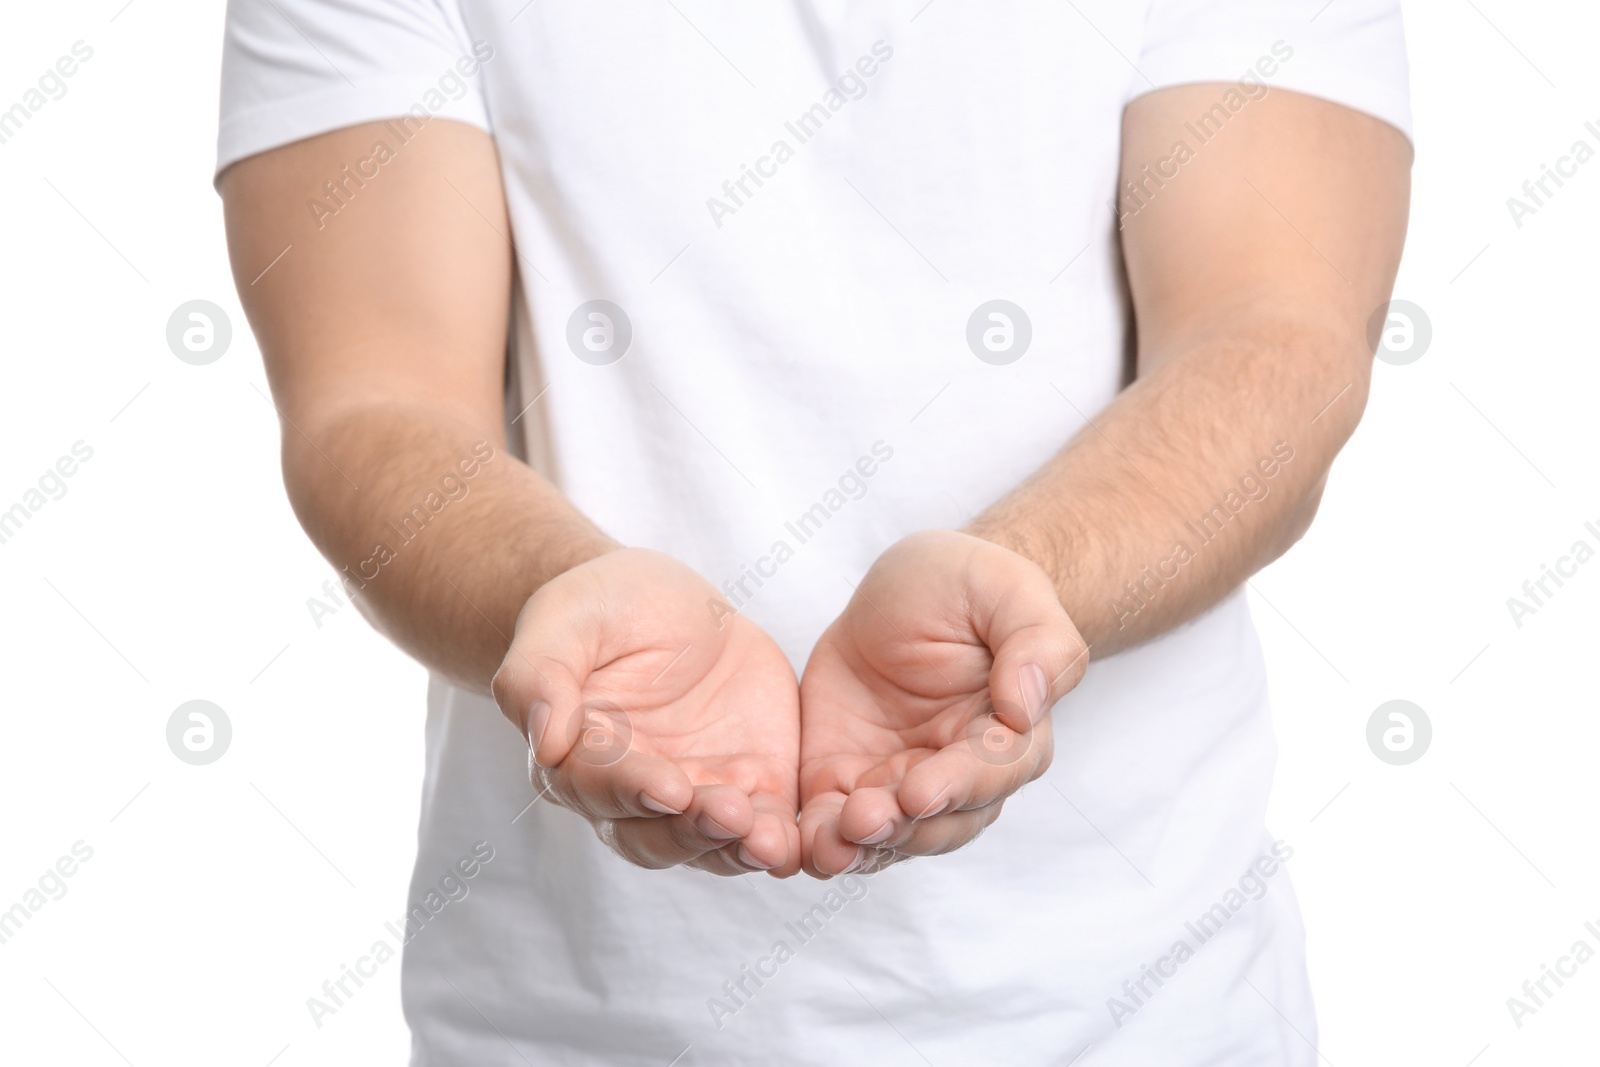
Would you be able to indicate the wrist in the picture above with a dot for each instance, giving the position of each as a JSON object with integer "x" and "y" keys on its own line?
{"x": 1021, "y": 538}
{"x": 575, "y": 547}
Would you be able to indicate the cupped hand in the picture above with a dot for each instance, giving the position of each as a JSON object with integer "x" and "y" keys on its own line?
{"x": 926, "y": 703}
{"x": 653, "y": 711}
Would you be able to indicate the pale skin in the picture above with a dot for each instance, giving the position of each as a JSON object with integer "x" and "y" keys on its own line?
{"x": 1254, "y": 272}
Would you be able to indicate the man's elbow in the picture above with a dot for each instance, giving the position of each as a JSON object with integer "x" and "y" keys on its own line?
{"x": 1336, "y": 408}
{"x": 1297, "y": 521}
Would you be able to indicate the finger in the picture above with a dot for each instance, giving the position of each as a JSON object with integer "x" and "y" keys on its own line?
{"x": 632, "y": 785}
{"x": 717, "y": 816}
{"x": 970, "y": 773}
{"x": 722, "y": 862}
{"x": 824, "y": 852}
{"x": 945, "y": 833}
{"x": 872, "y": 816}
{"x": 773, "y": 843}
{"x": 531, "y": 693}
{"x": 542, "y": 676}
{"x": 1039, "y": 656}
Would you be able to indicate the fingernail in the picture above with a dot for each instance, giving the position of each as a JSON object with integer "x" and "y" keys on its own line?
{"x": 648, "y": 801}
{"x": 943, "y": 806}
{"x": 1035, "y": 691}
{"x": 750, "y": 861}
{"x": 712, "y": 829}
{"x": 879, "y": 836}
{"x": 538, "y": 717}
{"x": 855, "y": 864}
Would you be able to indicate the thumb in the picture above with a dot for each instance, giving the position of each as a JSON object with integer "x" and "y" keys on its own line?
{"x": 540, "y": 683}
{"x": 1039, "y": 656}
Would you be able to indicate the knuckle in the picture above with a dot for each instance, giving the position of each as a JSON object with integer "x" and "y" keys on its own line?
{"x": 1044, "y": 756}
{"x": 560, "y": 789}
{"x": 683, "y": 840}
{"x": 615, "y": 835}
{"x": 1075, "y": 657}
{"x": 627, "y": 846}
{"x": 505, "y": 687}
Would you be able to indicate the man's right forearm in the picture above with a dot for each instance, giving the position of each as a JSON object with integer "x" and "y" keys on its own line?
{"x": 438, "y": 533}
{"x": 384, "y": 338}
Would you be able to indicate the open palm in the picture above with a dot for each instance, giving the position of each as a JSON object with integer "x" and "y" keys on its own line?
{"x": 925, "y": 704}
{"x": 671, "y": 725}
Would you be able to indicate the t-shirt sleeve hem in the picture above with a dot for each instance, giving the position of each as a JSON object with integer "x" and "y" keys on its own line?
{"x": 286, "y": 121}
{"x": 1304, "y": 74}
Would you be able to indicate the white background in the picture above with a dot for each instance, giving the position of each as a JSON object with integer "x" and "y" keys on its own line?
{"x": 219, "y": 898}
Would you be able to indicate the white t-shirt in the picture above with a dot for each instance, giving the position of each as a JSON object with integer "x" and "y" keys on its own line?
{"x": 796, "y": 211}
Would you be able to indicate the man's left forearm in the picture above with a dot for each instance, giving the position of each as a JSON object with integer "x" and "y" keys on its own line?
{"x": 1193, "y": 479}
{"x": 1254, "y": 273}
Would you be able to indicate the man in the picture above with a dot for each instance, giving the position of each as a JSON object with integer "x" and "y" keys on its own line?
{"x": 633, "y": 357}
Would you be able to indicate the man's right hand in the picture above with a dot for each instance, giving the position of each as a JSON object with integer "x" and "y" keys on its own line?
{"x": 671, "y": 726}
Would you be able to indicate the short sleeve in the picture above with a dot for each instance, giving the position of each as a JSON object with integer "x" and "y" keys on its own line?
{"x": 292, "y": 69}
{"x": 1352, "y": 52}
